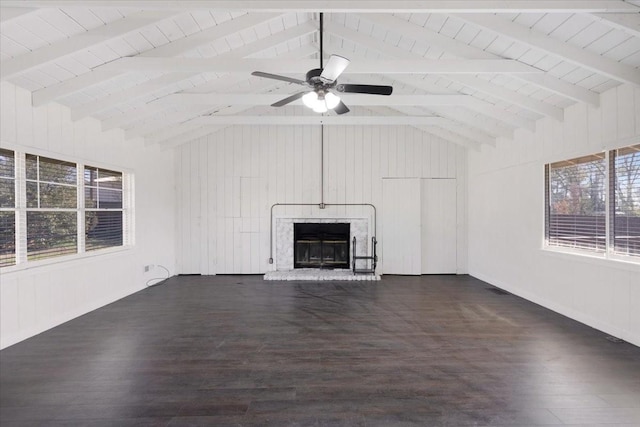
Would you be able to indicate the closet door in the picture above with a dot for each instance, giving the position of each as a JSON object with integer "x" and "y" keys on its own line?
{"x": 439, "y": 230}
{"x": 400, "y": 239}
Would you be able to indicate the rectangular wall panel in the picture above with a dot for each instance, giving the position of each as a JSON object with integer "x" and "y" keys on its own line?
{"x": 439, "y": 229}
{"x": 401, "y": 224}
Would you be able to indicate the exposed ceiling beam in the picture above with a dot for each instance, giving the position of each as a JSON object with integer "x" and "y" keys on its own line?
{"x": 371, "y": 6}
{"x": 523, "y": 101}
{"x": 457, "y": 48}
{"x": 86, "y": 40}
{"x": 9, "y": 13}
{"x": 484, "y": 122}
{"x": 318, "y": 120}
{"x": 216, "y": 85}
{"x": 470, "y": 81}
{"x": 452, "y": 125}
{"x": 449, "y": 137}
{"x": 349, "y": 98}
{"x": 573, "y": 54}
{"x": 627, "y": 22}
{"x": 176, "y": 47}
{"x": 301, "y": 66}
{"x": 200, "y": 132}
{"x": 163, "y": 81}
{"x": 478, "y": 105}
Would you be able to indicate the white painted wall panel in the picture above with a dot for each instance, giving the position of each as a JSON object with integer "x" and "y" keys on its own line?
{"x": 438, "y": 226}
{"x": 252, "y": 167}
{"x": 506, "y": 218}
{"x": 401, "y": 242}
{"x": 38, "y": 298}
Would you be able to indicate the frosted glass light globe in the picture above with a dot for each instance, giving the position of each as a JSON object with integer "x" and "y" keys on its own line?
{"x": 310, "y": 99}
{"x": 331, "y": 100}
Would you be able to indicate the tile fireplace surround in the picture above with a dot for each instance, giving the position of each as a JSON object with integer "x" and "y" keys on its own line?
{"x": 283, "y": 259}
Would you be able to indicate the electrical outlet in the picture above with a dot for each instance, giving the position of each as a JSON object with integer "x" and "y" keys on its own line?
{"x": 147, "y": 268}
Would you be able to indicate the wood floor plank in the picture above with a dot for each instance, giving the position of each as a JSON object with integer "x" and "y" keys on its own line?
{"x": 235, "y": 350}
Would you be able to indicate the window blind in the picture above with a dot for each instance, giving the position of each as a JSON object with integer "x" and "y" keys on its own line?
{"x": 7, "y": 208}
{"x": 625, "y": 181}
{"x": 52, "y": 218}
{"x": 576, "y": 203}
{"x": 103, "y": 194}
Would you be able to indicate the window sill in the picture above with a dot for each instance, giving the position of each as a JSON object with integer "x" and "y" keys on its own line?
{"x": 612, "y": 261}
{"x": 65, "y": 259}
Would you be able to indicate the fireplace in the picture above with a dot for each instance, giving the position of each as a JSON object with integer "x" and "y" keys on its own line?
{"x": 321, "y": 245}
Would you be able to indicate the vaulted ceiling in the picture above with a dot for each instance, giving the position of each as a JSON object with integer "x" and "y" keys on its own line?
{"x": 467, "y": 71}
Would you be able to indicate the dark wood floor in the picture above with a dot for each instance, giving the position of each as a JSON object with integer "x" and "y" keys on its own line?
{"x": 234, "y": 350}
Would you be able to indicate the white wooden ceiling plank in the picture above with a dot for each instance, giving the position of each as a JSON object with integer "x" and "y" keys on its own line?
{"x": 8, "y": 14}
{"x": 22, "y": 37}
{"x": 628, "y": 22}
{"x": 186, "y": 137}
{"x": 220, "y": 31}
{"x": 163, "y": 81}
{"x": 154, "y": 36}
{"x": 467, "y": 51}
{"x": 62, "y": 22}
{"x": 550, "y": 23}
{"x": 449, "y": 137}
{"x": 187, "y": 24}
{"x": 84, "y": 16}
{"x": 105, "y": 72}
{"x": 624, "y": 51}
{"x": 126, "y": 94}
{"x": 10, "y": 47}
{"x": 431, "y": 85}
{"x": 608, "y": 41}
{"x": 42, "y": 29}
{"x": 467, "y": 80}
{"x": 526, "y": 19}
{"x": 589, "y": 34}
{"x": 488, "y": 124}
{"x": 171, "y": 30}
{"x": 568, "y": 52}
{"x": 451, "y": 28}
{"x": 576, "y": 23}
{"x": 515, "y": 98}
{"x": 372, "y": 6}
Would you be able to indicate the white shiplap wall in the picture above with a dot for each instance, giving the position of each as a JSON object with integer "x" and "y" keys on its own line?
{"x": 227, "y": 182}
{"x": 36, "y": 297}
{"x": 506, "y": 221}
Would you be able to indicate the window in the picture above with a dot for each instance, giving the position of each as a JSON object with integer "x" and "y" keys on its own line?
{"x": 103, "y": 208}
{"x": 576, "y": 203}
{"x": 53, "y": 207}
{"x": 625, "y": 164}
{"x": 7, "y": 208}
{"x": 52, "y": 201}
{"x": 582, "y": 194}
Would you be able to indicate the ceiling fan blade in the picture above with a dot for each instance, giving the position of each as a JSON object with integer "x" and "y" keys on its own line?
{"x": 371, "y": 89}
{"x": 278, "y": 77}
{"x": 335, "y": 66}
{"x": 288, "y": 99}
{"x": 341, "y": 108}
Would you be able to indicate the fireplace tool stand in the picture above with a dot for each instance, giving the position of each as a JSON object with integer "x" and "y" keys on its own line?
{"x": 372, "y": 260}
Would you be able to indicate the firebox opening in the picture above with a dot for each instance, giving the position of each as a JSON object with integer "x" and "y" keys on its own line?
{"x": 321, "y": 245}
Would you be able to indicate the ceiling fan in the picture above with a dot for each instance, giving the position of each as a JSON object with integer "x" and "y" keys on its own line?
{"x": 322, "y": 82}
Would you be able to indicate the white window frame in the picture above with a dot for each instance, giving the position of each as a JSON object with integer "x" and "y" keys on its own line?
{"x": 128, "y": 239}
{"x": 608, "y": 253}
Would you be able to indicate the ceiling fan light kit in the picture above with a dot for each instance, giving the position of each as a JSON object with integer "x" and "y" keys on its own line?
{"x": 321, "y": 80}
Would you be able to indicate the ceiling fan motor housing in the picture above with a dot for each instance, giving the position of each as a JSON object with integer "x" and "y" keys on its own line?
{"x": 314, "y": 79}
